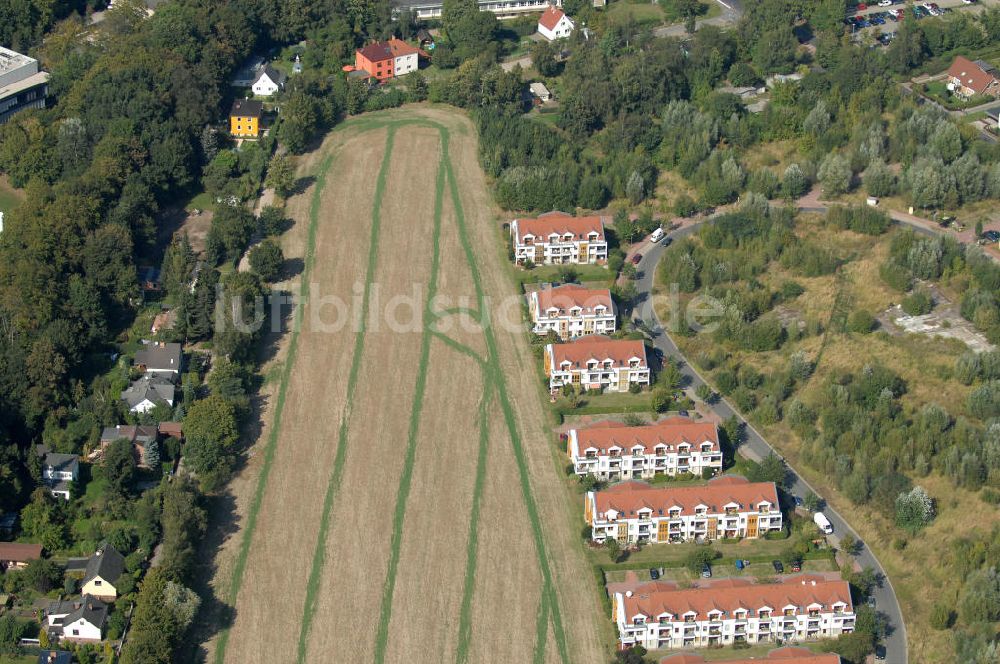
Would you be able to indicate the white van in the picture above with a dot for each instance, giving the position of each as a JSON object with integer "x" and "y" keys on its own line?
{"x": 823, "y": 522}
{"x": 657, "y": 235}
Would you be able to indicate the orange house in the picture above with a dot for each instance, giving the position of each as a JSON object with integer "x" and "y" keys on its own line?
{"x": 244, "y": 118}
{"x": 385, "y": 60}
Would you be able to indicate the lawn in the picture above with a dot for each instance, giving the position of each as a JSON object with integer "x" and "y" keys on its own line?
{"x": 938, "y": 91}
{"x": 608, "y": 402}
{"x": 18, "y": 659}
{"x": 562, "y": 274}
{"x": 449, "y": 412}
{"x": 648, "y": 13}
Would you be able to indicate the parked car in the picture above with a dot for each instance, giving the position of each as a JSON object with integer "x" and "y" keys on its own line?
{"x": 884, "y": 3}
{"x": 778, "y": 567}
{"x": 636, "y": 259}
{"x": 798, "y": 501}
{"x": 880, "y": 649}
{"x": 797, "y": 566}
{"x": 706, "y": 571}
{"x": 682, "y": 413}
{"x": 654, "y": 573}
{"x": 991, "y": 236}
{"x": 657, "y": 235}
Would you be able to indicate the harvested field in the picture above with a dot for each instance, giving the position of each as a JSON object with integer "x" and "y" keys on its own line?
{"x": 407, "y": 503}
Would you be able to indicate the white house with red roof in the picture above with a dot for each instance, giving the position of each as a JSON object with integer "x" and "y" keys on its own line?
{"x": 798, "y": 608}
{"x": 559, "y": 238}
{"x": 727, "y": 507}
{"x": 612, "y": 451}
{"x": 572, "y": 311}
{"x": 968, "y": 78}
{"x": 597, "y": 362}
{"x": 553, "y": 24}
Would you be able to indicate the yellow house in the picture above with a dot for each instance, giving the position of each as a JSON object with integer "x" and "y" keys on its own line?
{"x": 244, "y": 118}
{"x": 104, "y": 568}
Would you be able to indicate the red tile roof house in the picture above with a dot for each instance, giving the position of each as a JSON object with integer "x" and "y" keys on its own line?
{"x": 785, "y": 655}
{"x": 385, "y": 60}
{"x": 572, "y": 311}
{"x": 968, "y": 79}
{"x": 556, "y": 237}
{"x": 613, "y": 451}
{"x": 800, "y": 608}
{"x": 554, "y": 24}
{"x": 597, "y": 362}
{"x": 16, "y": 555}
{"x": 727, "y": 507}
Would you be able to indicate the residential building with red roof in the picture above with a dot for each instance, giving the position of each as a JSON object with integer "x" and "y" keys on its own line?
{"x": 388, "y": 59}
{"x": 799, "y": 608}
{"x": 556, "y": 237}
{"x": 613, "y": 451}
{"x": 554, "y": 24}
{"x": 784, "y": 655}
{"x": 726, "y": 507}
{"x": 597, "y": 362}
{"x": 572, "y": 311}
{"x": 968, "y": 78}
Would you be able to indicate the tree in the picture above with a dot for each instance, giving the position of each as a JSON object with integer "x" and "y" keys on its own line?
{"x": 233, "y": 226}
{"x": 543, "y": 56}
{"x": 879, "y": 180}
{"x": 914, "y": 510}
{"x": 613, "y": 548}
{"x": 849, "y": 545}
{"x": 11, "y": 632}
{"x": 184, "y": 521}
{"x": 281, "y": 176}
{"x": 980, "y": 598}
{"x": 271, "y": 221}
{"x": 266, "y": 259}
{"x": 212, "y": 432}
{"x": 812, "y": 502}
{"x": 704, "y": 392}
{"x": 835, "y": 175}
{"x": 698, "y": 557}
{"x": 794, "y": 183}
{"x": 42, "y": 575}
{"x": 770, "y": 469}
{"x": 118, "y": 467}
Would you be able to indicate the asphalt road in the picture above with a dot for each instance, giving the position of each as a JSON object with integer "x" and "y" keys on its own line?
{"x": 755, "y": 447}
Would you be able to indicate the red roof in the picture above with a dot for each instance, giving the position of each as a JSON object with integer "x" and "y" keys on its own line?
{"x": 628, "y": 498}
{"x": 786, "y": 655}
{"x": 567, "y": 296}
{"x": 670, "y": 433}
{"x": 19, "y": 553}
{"x": 971, "y": 74}
{"x": 600, "y": 348}
{"x": 561, "y": 224}
{"x": 387, "y": 50}
{"x": 550, "y": 18}
{"x": 794, "y": 591}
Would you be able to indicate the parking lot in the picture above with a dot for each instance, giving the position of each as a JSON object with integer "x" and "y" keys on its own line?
{"x": 881, "y": 18}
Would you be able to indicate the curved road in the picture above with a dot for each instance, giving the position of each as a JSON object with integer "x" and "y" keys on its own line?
{"x": 755, "y": 447}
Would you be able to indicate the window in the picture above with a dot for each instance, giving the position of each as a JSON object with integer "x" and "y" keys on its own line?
{"x": 76, "y": 632}
{"x": 98, "y": 582}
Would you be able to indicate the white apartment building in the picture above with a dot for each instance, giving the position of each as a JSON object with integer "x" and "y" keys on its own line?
{"x": 597, "y": 362}
{"x": 572, "y": 311}
{"x": 558, "y": 238}
{"x": 424, "y": 9}
{"x": 613, "y": 451}
{"x": 801, "y": 608}
{"x": 22, "y": 84}
{"x": 726, "y": 507}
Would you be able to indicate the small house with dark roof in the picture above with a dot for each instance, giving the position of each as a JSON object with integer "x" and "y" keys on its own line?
{"x": 103, "y": 570}
{"x": 59, "y": 472}
{"x": 161, "y": 358}
{"x": 77, "y": 621}
{"x": 55, "y": 657}
{"x": 147, "y": 393}
{"x": 269, "y": 81}
{"x": 244, "y": 118}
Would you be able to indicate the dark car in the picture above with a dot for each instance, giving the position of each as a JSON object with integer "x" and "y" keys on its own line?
{"x": 706, "y": 571}
{"x": 797, "y": 566}
{"x": 992, "y": 236}
{"x": 682, "y": 413}
{"x": 778, "y": 567}
{"x": 870, "y": 601}
{"x": 798, "y": 501}
{"x": 880, "y": 653}
{"x": 654, "y": 573}
{"x": 636, "y": 259}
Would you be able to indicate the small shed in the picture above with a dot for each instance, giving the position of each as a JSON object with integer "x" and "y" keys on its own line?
{"x": 539, "y": 91}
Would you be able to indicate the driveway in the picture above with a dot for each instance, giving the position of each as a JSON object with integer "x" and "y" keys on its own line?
{"x": 755, "y": 447}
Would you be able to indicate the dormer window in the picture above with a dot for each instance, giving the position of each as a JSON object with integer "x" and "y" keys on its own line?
{"x": 661, "y": 449}
{"x": 592, "y": 235}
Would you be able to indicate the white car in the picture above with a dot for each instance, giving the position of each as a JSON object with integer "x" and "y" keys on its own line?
{"x": 657, "y": 235}
{"x": 885, "y": 3}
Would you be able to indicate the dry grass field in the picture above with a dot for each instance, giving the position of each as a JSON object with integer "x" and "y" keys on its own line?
{"x": 404, "y": 502}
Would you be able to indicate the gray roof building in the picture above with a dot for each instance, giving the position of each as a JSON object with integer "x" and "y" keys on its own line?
{"x": 147, "y": 391}
{"x": 277, "y": 76}
{"x": 87, "y": 607}
{"x": 106, "y": 563}
{"x": 160, "y": 357}
{"x": 55, "y": 657}
{"x": 61, "y": 463}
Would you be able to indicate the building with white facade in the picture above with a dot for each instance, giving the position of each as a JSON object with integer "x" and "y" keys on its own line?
{"x": 553, "y": 24}
{"x": 78, "y": 621}
{"x": 800, "y": 608}
{"x": 727, "y": 507}
{"x": 572, "y": 311}
{"x": 556, "y": 237}
{"x": 269, "y": 82}
{"x": 424, "y": 9}
{"x": 22, "y": 85}
{"x": 59, "y": 472}
{"x": 613, "y": 451}
{"x": 597, "y": 362}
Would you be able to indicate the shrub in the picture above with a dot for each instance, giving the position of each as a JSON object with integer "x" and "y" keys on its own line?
{"x": 698, "y": 557}
{"x": 685, "y": 206}
{"x": 942, "y": 617}
{"x": 895, "y": 276}
{"x": 861, "y": 322}
{"x": 918, "y": 302}
{"x": 914, "y": 510}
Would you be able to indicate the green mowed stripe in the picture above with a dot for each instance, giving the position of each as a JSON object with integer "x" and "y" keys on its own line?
{"x": 550, "y": 602}
{"x": 319, "y": 555}
{"x": 239, "y": 567}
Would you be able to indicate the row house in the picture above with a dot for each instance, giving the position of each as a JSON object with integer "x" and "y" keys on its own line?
{"x": 613, "y": 451}
{"x": 783, "y": 655}
{"x": 572, "y": 311}
{"x": 727, "y": 507}
{"x": 736, "y": 611}
{"x": 597, "y": 362}
{"x": 558, "y": 238}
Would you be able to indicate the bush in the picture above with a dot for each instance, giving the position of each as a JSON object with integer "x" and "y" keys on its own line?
{"x": 698, "y": 557}
{"x": 895, "y": 276}
{"x": 685, "y": 206}
{"x": 861, "y": 322}
{"x": 266, "y": 259}
{"x": 942, "y": 617}
{"x": 918, "y": 302}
